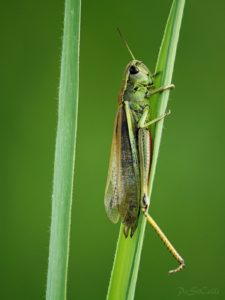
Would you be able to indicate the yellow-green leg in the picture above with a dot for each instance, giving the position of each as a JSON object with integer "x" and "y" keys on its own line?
{"x": 167, "y": 243}
{"x": 142, "y": 124}
{"x": 162, "y": 89}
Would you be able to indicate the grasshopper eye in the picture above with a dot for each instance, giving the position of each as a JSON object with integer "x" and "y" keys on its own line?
{"x": 133, "y": 70}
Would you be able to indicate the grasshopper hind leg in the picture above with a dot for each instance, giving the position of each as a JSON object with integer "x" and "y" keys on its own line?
{"x": 144, "y": 145}
{"x": 167, "y": 243}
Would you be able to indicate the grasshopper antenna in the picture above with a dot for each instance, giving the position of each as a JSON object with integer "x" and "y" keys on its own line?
{"x": 125, "y": 42}
{"x": 167, "y": 243}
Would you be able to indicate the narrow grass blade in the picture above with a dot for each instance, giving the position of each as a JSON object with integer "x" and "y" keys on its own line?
{"x": 64, "y": 154}
{"x": 128, "y": 253}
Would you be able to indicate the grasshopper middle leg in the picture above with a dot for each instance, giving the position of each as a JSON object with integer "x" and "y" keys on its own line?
{"x": 142, "y": 124}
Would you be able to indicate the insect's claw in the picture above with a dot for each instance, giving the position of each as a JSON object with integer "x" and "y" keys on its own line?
{"x": 179, "y": 268}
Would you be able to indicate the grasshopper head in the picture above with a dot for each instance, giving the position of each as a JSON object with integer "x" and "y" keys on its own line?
{"x": 137, "y": 84}
{"x": 138, "y": 73}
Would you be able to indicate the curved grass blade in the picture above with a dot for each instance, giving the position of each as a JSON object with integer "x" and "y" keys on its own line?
{"x": 128, "y": 253}
{"x": 64, "y": 154}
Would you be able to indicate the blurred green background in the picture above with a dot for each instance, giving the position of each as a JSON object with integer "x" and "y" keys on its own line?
{"x": 189, "y": 193}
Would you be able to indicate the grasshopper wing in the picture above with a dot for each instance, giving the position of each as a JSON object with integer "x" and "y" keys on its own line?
{"x": 122, "y": 188}
{"x": 111, "y": 199}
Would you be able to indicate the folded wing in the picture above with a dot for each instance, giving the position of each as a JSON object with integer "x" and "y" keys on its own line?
{"x": 122, "y": 188}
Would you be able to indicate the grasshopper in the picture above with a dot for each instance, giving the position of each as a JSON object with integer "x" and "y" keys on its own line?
{"x": 126, "y": 193}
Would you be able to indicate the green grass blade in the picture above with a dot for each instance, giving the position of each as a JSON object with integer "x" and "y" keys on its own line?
{"x": 128, "y": 253}
{"x": 64, "y": 154}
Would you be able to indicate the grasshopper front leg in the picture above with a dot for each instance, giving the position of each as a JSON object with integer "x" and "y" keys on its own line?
{"x": 162, "y": 89}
